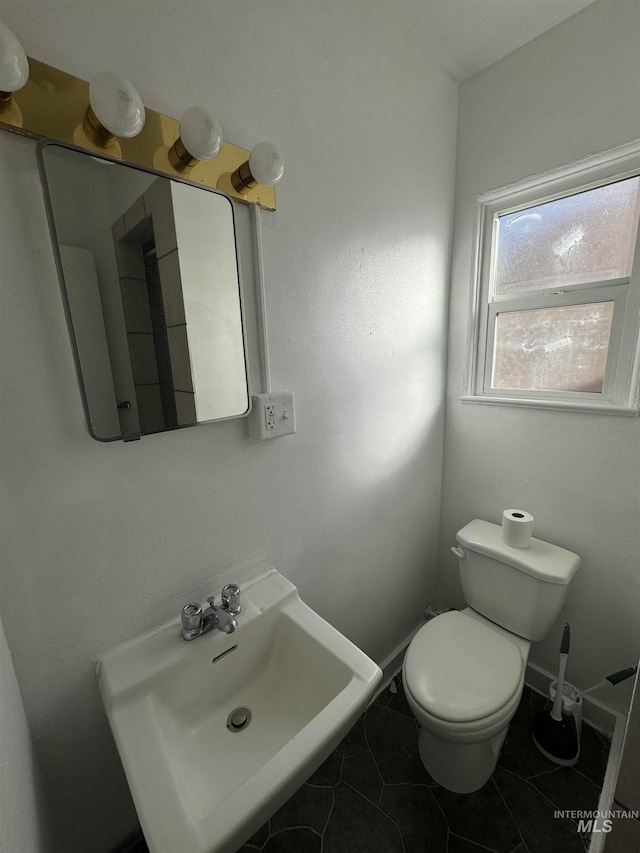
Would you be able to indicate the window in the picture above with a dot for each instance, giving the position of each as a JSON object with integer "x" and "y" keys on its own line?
{"x": 557, "y": 290}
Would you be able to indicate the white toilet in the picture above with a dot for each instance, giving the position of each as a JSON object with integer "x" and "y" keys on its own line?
{"x": 464, "y": 670}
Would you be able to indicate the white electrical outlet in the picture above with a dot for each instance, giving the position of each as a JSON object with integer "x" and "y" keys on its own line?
{"x": 272, "y": 415}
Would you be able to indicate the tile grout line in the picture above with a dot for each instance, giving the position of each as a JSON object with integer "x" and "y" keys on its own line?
{"x": 535, "y": 775}
{"x": 382, "y": 812}
{"x": 333, "y": 802}
{"x": 370, "y": 751}
{"x": 297, "y": 826}
{"x": 584, "y": 776}
{"x": 544, "y": 796}
{"x": 537, "y": 790}
{"x": 515, "y": 823}
{"x": 442, "y": 812}
{"x": 366, "y": 740}
{"x": 477, "y": 843}
{"x": 396, "y": 713}
{"x": 326, "y": 824}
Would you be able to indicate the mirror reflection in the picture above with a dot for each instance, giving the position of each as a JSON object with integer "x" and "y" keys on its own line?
{"x": 150, "y": 278}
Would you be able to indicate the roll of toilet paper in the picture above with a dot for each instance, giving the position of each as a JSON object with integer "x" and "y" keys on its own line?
{"x": 517, "y": 527}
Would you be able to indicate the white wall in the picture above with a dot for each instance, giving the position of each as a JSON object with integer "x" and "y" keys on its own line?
{"x": 570, "y": 93}
{"x": 19, "y": 818}
{"x": 104, "y": 541}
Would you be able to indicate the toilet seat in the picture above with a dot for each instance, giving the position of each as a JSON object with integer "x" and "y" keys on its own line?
{"x": 461, "y": 671}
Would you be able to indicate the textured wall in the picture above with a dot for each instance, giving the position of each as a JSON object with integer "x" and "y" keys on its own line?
{"x": 100, "y": 542}
{"x": 570, "y": 93}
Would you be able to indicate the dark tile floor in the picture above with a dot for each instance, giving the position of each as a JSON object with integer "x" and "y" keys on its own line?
{"x": 372, "y": 795}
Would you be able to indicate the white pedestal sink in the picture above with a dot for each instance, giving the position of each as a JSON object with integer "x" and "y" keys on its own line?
{"x": 199, "y": 787}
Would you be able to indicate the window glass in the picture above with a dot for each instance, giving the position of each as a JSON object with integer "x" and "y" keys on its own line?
{"x": 586, "y": 237}
{"x": 545, "y": 349}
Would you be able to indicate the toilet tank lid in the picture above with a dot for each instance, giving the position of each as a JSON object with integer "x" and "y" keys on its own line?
{"x": 542, "y": 560}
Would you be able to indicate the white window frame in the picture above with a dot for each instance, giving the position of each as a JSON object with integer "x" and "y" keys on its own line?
{"x": 620, "y": 392}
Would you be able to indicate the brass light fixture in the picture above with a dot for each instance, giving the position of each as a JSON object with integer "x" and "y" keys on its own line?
{"x": 264, "y": 166}
{"x": 14, "y": 66}
{"x": 200, "y": 139}
{"x": 38, "y": 100}
{"x": 115, "y": 109}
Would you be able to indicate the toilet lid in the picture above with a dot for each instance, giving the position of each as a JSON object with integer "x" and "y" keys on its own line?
{"x": 459, "y": 669}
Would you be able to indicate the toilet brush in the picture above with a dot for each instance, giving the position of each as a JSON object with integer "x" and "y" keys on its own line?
{"x": 554, "y": 733}
{"x": 572, "y": 697}
{"x": 614, "y": 678}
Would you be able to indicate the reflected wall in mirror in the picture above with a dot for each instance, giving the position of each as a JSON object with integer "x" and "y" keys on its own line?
{"x": 149, "y": 275}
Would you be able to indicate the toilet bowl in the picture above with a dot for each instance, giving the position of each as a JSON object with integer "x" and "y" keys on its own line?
{"x": 464, "y": 670}
{"x": 463, "y": 679}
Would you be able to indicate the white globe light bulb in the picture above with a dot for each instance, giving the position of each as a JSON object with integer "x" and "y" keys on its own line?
{"x": 200, "y": 133}
{"x": 266, "y": 164}
{"x": 14, "y": 66}
{"x": 116, "y": 104}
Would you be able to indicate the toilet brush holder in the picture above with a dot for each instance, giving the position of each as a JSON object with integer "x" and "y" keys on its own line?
{"x": 572, "y": 705}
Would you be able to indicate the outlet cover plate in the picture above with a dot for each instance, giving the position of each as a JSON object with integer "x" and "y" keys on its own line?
{"x": 272, "y": 415}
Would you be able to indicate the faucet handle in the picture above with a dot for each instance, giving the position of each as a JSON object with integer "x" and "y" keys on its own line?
{"x": 231, "y": 599}
{"x": 212, "y": 600}
{"x": 191, "y": 616}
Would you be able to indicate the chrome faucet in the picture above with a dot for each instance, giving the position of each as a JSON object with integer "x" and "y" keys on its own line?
{"x": 195, "y": 623}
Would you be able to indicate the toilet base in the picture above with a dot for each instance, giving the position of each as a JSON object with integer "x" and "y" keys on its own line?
{"x": 460, "y": 767}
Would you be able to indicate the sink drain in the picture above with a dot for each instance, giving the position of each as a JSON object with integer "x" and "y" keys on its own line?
{"x": 238, "y": 719}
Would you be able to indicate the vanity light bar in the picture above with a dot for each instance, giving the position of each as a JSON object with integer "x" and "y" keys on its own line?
{"x": 115, "y": 110}
{"x": 14, "y": 66}
{"x": 264, "y": 166}
{"x": 200, "y": 139}
{"x": 53, "y": 104}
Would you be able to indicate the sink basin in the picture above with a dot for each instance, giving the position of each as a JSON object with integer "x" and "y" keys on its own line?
{"x": 198, "y": 785}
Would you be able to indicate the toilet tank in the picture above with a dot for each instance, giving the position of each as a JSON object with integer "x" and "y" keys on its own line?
{"x": 521, "y": 589}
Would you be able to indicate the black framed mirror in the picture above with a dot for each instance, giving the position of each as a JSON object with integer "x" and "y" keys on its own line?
{"x": 150, "y": 280}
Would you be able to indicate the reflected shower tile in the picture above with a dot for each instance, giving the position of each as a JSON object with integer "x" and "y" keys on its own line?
{"x": 134, "y": 216}
{"x": 158, "y": 203}
{"x": 180, "y": 358}
{"x": 150, "y": 407}
{"x": 185, "y": 407}
{"x": 171, "y": 286}
{"x": 143, "y": 358}
{"x": 135, "y": 301}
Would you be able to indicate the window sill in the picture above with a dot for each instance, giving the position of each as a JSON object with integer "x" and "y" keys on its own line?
{"x": 561, "y": 405}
